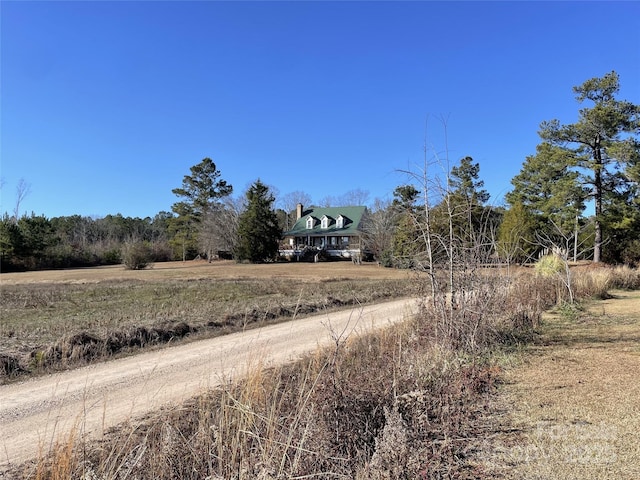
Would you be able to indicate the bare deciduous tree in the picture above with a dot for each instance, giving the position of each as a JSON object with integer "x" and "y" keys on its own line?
{"x": 379, "y": 227}
{"x": 456, "y": 240}
{"x": 289, "y": 202}
{"x": 23, "y": 189}
{"x": 328, "y": 201}
{"x": 218, "y": 230}
{"x": 355, "y": 197}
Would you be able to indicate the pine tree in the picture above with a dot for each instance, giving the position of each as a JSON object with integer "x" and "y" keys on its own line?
{"x": 258, "y": 231}
{"x": 548, "y": 188}
{"x": 603, "y": 143}
{"x": 202, "y": 192}
{"x": 465, "y": 183}
{"x": 405, "y": 245}
{"x": 466, "y": 198}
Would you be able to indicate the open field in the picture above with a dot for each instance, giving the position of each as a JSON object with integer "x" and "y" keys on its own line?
{"x": 59, "y": 319}
{"x": 194, "y": 270}
{"x": 575, "y": 402}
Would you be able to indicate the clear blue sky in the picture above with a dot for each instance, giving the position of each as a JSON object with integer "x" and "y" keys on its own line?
{"x": 106, "y": 105}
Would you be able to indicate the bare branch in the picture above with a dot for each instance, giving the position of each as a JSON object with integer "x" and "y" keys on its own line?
{"x": 23, "y": 189}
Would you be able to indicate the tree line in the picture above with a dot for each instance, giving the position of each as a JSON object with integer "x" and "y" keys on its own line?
{"x": 436, "y": 218}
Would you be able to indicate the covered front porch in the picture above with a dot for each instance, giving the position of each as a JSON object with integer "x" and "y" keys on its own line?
{"x": 332, "y": 245}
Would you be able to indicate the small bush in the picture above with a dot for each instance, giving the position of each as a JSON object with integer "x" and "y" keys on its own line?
{"x": 569, "y": 311}
{"x": 549, "y": 266}
{"x": 386, "y": 259}
{"x": 137, "y": 256}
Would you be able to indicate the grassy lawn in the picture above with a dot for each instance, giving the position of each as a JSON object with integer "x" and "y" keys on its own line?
{"x": 575, "y": 402}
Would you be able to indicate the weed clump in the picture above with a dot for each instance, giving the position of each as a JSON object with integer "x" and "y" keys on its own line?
{"x": 84, "y": 347}
{"x": 10, "y": 366}
{"x": 550, "y": 266}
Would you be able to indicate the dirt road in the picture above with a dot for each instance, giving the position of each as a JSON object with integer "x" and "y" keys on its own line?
{"x": 36, "y": 413}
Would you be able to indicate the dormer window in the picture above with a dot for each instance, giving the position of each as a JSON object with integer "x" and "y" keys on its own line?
{"x": 340, "y": 222}
{"x": 309, "y": 223}
{"x": 325, "y": 222}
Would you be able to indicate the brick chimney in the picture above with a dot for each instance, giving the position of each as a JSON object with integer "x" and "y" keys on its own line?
{"x": 298, "y": 211}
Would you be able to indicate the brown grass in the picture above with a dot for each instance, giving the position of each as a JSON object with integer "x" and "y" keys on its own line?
{"x": 395, "y": 404}
{"x": 225, "y": 269}
{"x": 576, "y": 400}
{"x": 66, "y": 318}
{"x": 399, "y": 404}
{"x": 379, "y": 406}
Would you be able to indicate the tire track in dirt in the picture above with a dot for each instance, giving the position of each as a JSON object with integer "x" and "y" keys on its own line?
{"x": 36, "y": 413}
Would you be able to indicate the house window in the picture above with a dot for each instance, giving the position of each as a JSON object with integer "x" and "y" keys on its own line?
{"x": 340, "y": 222}
{"x": 309, "y": 223}
{"x": 325, "y": 222}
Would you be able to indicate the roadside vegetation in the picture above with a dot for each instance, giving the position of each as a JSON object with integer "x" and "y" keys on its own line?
{"x": 406, "y": 402}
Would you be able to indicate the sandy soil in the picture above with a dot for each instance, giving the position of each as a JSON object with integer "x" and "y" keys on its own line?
{"x": 36, "y": 413}
{"x": 201, "y": 269}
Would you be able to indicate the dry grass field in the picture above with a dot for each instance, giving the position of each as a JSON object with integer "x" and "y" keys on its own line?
{"x": 59, "y": 319}
{"x": 194, "y": 270}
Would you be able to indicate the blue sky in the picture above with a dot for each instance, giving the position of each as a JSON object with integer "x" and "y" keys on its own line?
{"x": 106, "y": 105}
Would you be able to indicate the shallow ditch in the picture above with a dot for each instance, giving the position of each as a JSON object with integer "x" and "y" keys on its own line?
{"x": 84, "y": 347}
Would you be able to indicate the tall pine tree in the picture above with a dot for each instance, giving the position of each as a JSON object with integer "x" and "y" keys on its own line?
{"x": 202, "y": 192}
{"x": 466, "y": 198}
{"x": 603, "y": 143}
{"x": 405, "y": 243}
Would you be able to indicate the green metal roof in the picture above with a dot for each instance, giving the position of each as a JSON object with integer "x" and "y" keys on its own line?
{"x": 352, "y": 219}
